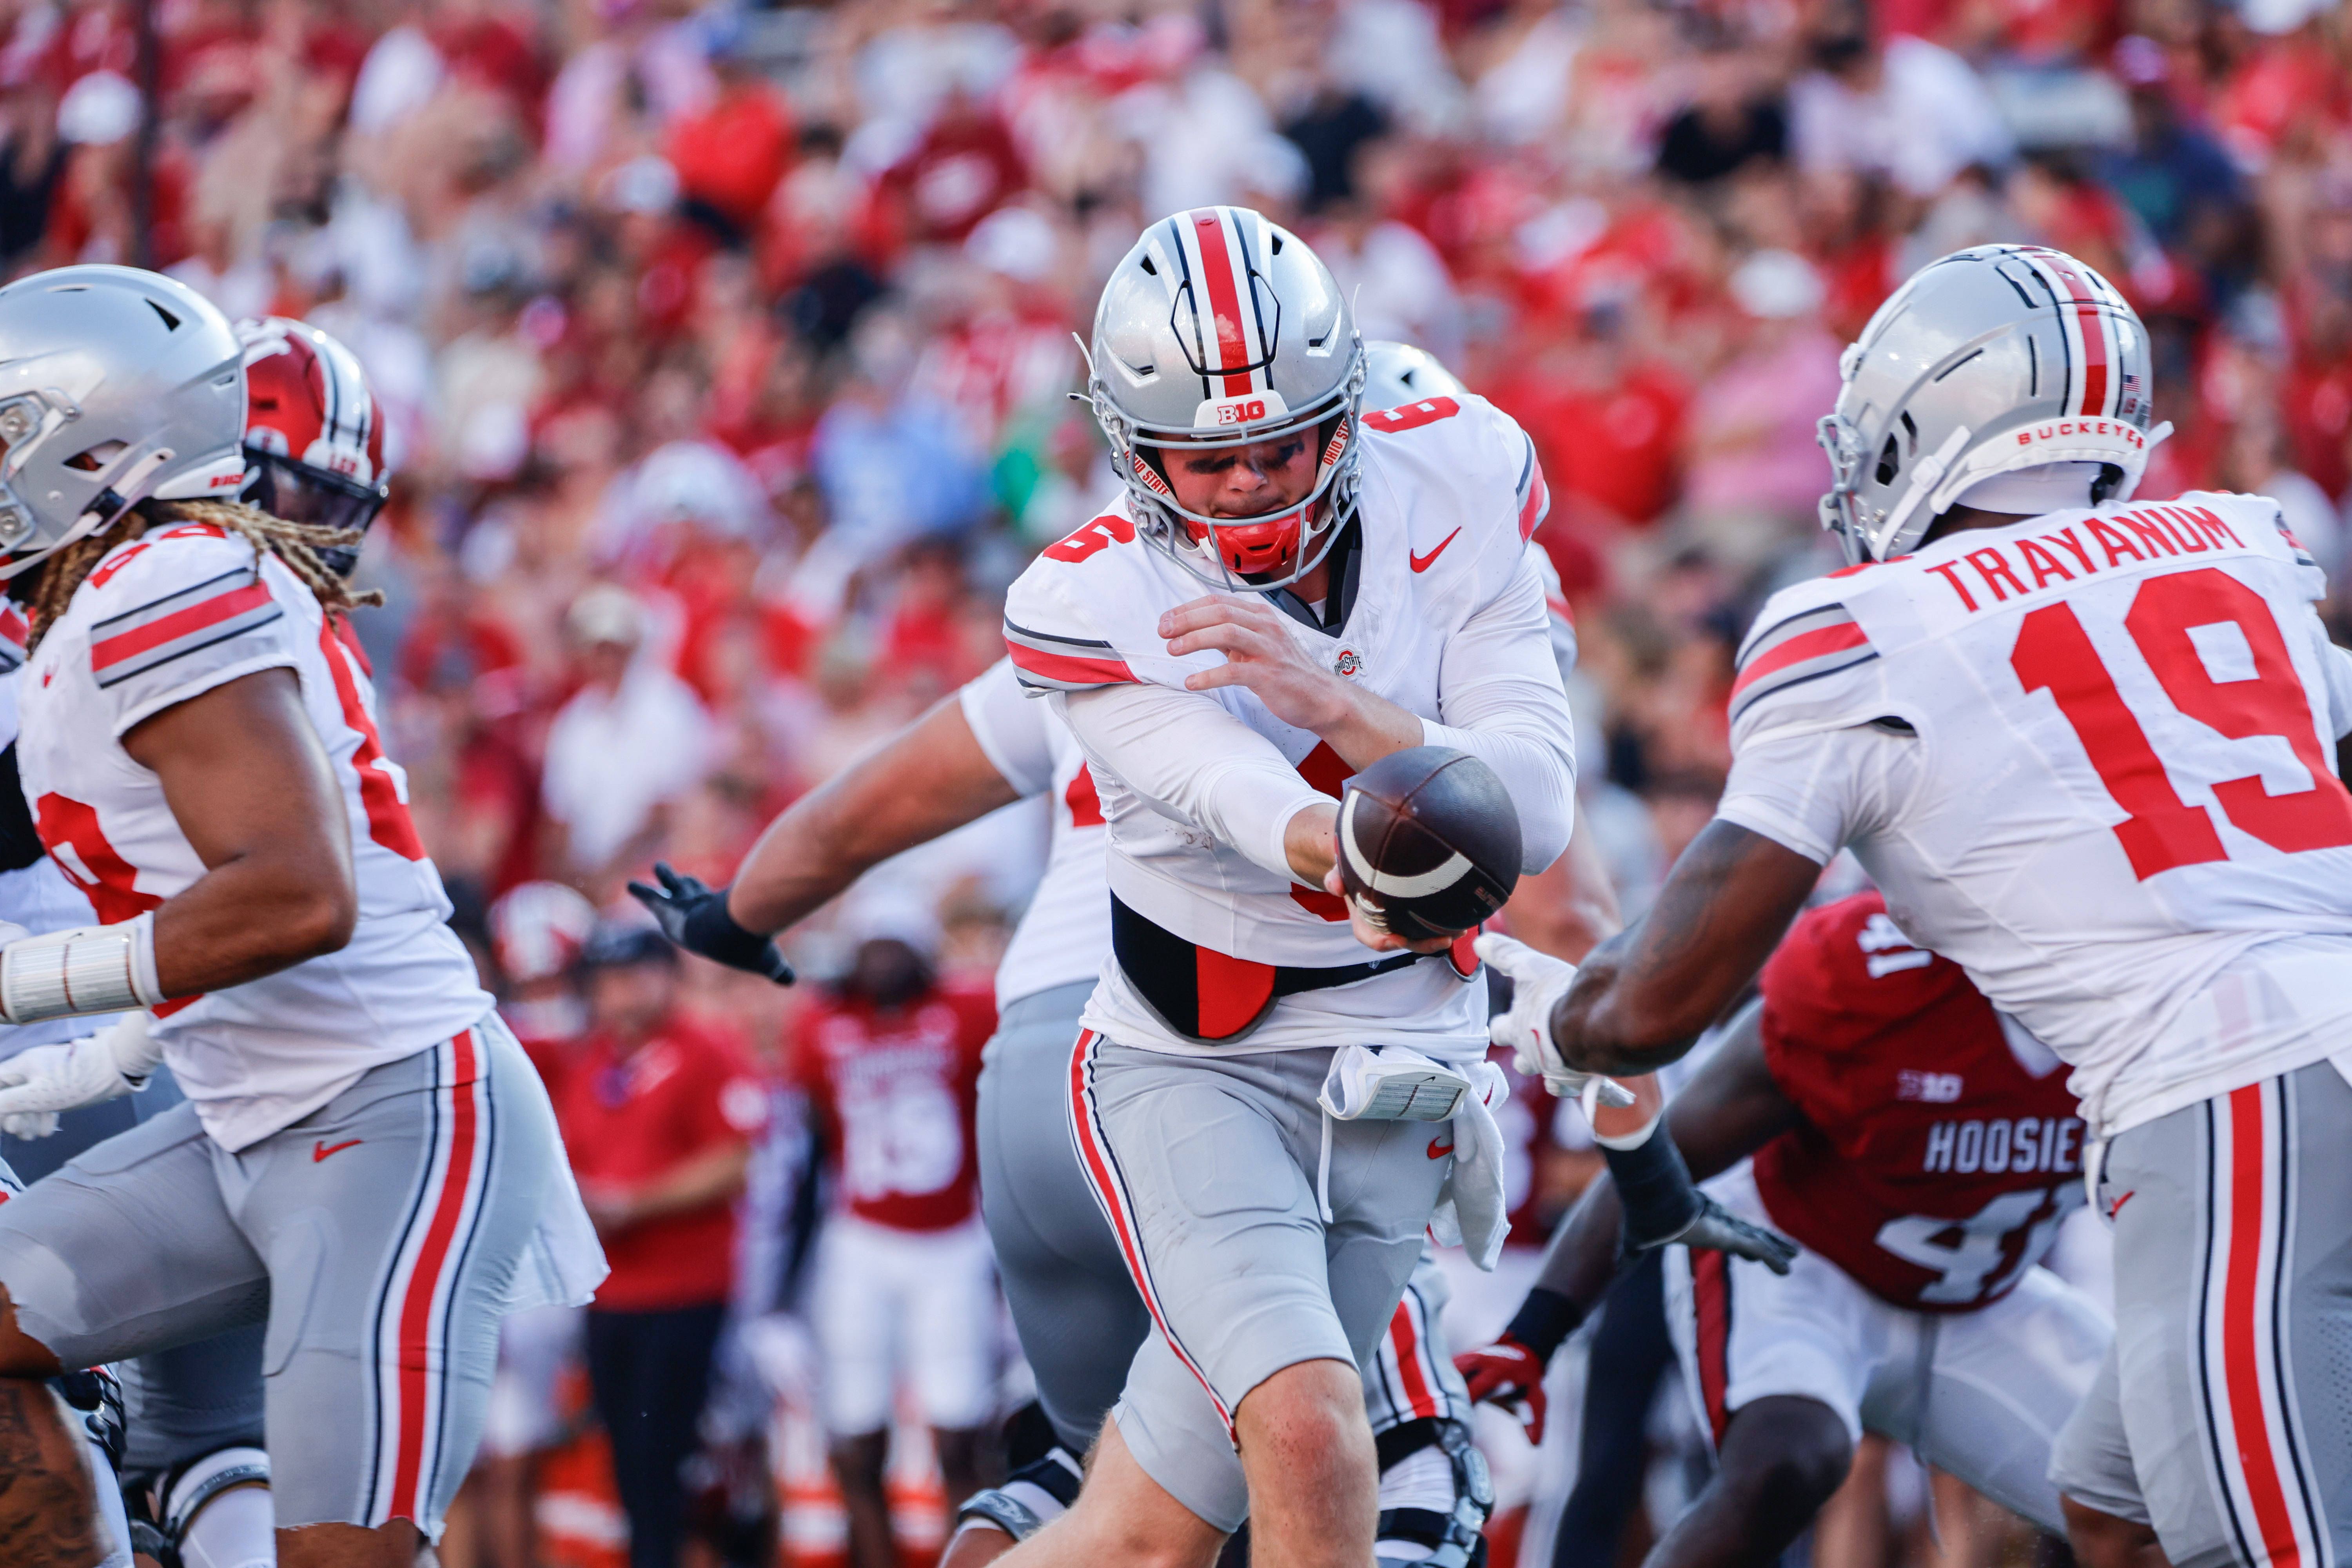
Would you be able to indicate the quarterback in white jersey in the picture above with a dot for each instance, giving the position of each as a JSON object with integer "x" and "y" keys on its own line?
{"x": 367, "y": 1159}
{"x": 2087, "y": 748}
{"x": 1376, "y": 596}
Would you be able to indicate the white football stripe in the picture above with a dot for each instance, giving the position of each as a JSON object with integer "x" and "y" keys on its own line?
{"x": 1382, "y": 882}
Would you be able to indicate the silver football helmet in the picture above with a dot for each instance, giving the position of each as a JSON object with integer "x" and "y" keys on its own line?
{"x": 115, "y": 386}
{"x": 1990, "y": 361}
{"x": 1396, "y": 374}
{"x": 1220, "y": 330}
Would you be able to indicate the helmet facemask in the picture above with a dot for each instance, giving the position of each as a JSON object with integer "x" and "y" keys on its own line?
{"x": 1274, "y": 549}
{"x": 305, "y": 493}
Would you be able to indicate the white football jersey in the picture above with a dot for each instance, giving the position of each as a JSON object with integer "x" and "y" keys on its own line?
{"x": 2091, "y": 758}
{"x": 1449, "y": 619}
{"x": 158, "y": 621}
{"x": 1065, "y": 935}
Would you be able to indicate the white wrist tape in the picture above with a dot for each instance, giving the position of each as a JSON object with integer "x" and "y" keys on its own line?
{"x": 95, "y": 968}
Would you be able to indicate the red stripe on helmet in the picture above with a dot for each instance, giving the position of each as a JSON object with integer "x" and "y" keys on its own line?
{"x": 1224, "y": 297}
{"x": 2089, "y": 317}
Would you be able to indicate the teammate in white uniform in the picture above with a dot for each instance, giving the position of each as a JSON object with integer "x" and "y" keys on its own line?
{"x": 2088, "y": 751}
{"x": 314, "y": 453}
{"x": 366, "y": 1158}
{"x": 1077, "y": 1309}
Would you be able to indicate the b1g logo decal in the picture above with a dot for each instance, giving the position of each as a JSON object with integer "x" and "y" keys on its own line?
{"x": 1241, "y": 413}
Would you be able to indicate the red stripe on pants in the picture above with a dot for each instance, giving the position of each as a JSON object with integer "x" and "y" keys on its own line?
{"x": 1417, "y": 1393}
{"x": 1711, "y": 1294}
{"x": 408, "y": 1481}
{"x": 2241, "y": 1330}
{"x": 1098, "y": 1167}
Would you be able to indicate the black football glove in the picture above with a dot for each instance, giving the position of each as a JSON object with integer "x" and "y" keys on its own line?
{"x": 1663, "y": 1206}
{"x": 1716, "y": 1228}
{"x": 694, "y": 916}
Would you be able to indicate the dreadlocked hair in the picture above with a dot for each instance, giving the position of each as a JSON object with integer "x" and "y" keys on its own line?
{"x": 295, "y": 543}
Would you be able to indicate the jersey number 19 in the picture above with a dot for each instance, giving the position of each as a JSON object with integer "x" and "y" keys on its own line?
{"x": 2173, "y": 619}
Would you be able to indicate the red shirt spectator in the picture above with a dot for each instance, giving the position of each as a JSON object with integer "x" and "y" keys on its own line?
{"x": 896, "y": 1089}
{"x": 650, "y": 1098}
{"x": 733, "y": 154}
{"x": 1609, "y": 438}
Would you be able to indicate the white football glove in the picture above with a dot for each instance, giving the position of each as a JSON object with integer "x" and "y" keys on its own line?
{"x": 1538, "y": 982}
{"x": 36, "y": 1084}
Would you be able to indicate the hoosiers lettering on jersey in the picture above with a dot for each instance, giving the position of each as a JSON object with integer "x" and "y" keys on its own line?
{"x": 165, "y": 619}
{"x": 1940, "y": 1148}
{"x": 2091, "y": 753}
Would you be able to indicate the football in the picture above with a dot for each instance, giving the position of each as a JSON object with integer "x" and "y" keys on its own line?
{"x": 1429, "y": 843}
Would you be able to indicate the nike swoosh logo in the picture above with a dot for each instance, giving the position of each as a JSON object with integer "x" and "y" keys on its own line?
{"x": 1439, "y": 1150}
{"x": 321, "y": 1148}
{"x": 2117, "y": 1207}
{"x": 1422, "y": 562}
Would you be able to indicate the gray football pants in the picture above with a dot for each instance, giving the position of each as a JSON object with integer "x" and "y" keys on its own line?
{"x": 179, "y": 1405}
{"x": 2223, "y": 1413}
{"x": 376, "y": 1238}
{"x": 1073, "y": 1303}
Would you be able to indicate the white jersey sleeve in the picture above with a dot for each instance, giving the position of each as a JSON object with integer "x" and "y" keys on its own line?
{"x": 1500, "y": 685}
{"x": 157, "y": 637}
{"x": 1192, "y": 761}
{"x": 1014, "y": 733}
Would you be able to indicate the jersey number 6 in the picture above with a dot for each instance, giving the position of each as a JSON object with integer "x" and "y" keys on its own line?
{"x": 2161, "y": 831}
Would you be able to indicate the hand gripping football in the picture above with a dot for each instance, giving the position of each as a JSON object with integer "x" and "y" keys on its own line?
{"x": 1429, "y": 843}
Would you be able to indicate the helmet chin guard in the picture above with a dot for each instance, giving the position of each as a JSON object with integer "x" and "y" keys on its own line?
{"x": 1220, "y": 331}
{"x": 1991, "y": 361}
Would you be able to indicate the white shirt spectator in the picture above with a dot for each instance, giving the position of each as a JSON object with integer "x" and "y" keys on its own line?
{"x": 615, "y": 756}
{"x": 1928, "y": 117}
{"x": 1401, "y": 290}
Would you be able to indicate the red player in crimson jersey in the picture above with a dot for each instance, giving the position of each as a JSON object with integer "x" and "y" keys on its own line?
{"x": 904, "y": 1282}
{"x": 1924, "y": 1149}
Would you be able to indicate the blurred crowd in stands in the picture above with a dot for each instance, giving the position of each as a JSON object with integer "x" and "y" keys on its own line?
{"x": 725, "y": 351}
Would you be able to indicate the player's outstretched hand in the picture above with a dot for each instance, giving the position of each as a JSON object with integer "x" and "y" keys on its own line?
{"x": 1538, "y": 983}
{"x": 694, "y": 915}
{"x": 1718, "y": 1229}
{"x": 37, "y": 1083}
{"x": 1507, "y": 1373}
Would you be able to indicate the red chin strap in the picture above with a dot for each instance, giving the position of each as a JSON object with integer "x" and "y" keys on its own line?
{"x": 1254, "y": 547}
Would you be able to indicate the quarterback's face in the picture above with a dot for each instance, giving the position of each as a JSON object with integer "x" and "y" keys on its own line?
{"x": 1244, "y": 481}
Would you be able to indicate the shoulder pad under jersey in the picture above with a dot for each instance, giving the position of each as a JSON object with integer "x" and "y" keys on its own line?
{"x": 1805, "y": 664}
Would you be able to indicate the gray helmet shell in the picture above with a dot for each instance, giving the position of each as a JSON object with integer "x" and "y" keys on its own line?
{"x": 1222, "y": 329}
{"x": 1396, "y": 374}
{"x": 1990, "y": 361}
{"x": 116, "y": 385}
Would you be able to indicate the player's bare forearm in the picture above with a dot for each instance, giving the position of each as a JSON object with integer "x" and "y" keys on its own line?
{"x": 1730, "y": 1108}
{"x": 928, "y": 778}
{"x": 249, "y": 784}
{"x": 1644, "y": 996}
{"x": 1260, "y": 656}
